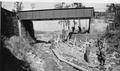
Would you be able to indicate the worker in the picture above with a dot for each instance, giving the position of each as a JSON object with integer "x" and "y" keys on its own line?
{"x": 101, "y": 55}
{"x": 79, "y": 28}
{"x": 70, "y": 33}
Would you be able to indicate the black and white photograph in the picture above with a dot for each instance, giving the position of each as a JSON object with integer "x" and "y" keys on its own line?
{"x": 59, "y": 36}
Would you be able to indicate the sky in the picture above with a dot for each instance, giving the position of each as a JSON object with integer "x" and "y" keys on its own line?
{"x": 48, "y": 5}
{"x": 49, "y": 25}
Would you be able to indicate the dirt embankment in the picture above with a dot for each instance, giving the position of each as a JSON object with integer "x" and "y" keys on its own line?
{"x": 60, "y": 56}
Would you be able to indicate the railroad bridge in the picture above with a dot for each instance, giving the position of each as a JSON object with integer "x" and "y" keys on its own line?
{"x": 26, "y": 17}
{"x": 57, "y": 14}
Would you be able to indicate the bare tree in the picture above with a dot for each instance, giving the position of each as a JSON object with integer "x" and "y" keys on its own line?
{"x": 114, "y": 8}
{"x": 33, "y": 6}
{"x": 63, "y": 22}
{"x": 18, "y": 6}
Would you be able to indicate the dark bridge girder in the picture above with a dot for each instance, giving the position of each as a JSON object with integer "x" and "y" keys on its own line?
{"x": 57, "y": 14}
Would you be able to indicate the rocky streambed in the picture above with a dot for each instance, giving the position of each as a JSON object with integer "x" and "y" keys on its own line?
{"x": 71, "y": 55}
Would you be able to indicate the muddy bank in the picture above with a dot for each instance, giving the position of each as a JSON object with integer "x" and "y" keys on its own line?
{"x": 10, "y": 62}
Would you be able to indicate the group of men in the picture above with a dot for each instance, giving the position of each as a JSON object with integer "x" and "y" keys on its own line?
{"x": 80, "y": 31}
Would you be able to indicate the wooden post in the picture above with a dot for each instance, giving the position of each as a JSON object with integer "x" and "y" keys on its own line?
{"x": 89, "y": 25}
{"x": 19, "y": 27}
{"x": 0, "y": 24}
{"x": 0, "y": 20}
{"x": 79, "y": 22}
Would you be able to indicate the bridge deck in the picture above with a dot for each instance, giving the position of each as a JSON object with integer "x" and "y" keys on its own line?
{"x": 53, "y": 14}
